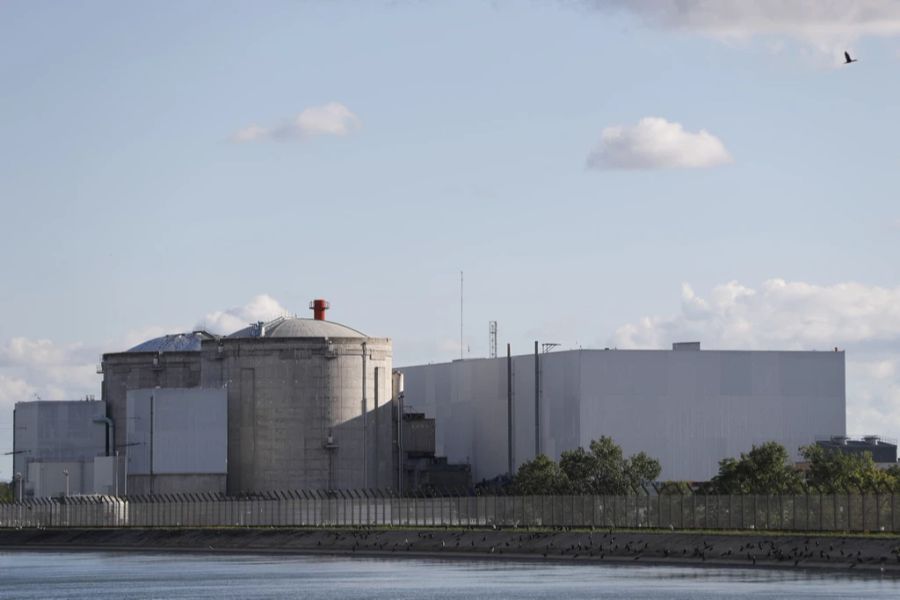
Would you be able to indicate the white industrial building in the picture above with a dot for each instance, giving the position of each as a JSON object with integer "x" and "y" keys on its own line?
{"x": 62, "y": 448}
{"x": 687, "y": 407}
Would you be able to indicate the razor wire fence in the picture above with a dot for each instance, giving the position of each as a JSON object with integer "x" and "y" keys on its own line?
{"x": 367, "y": 508}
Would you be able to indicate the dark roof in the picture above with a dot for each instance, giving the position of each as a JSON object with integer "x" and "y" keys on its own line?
{"x": 174, "y": 342}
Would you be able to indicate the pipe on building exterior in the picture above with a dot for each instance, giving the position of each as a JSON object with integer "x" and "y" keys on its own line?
{"x": 537, "y": 400}
{"x": 110, "y": 432}
{"x": 509, "y": 413}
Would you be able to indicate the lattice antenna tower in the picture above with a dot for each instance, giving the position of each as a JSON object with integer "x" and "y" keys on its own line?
{"x": 492, "y": 338}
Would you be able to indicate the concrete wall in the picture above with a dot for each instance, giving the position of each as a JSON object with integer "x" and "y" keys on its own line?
{"x": 104, "y": 476}
{"x": 185, "y": 483}
{"x": 126, "y": 371}
{"x": 287, "y": 395}
{"x": 173, "y": 432}
{"x": 51, "y": 436}
{"x": 49, "y": 478}
{"x": 687, "y": 408}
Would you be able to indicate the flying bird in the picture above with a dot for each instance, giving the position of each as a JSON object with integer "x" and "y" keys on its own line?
{"x": 847, "y": 59}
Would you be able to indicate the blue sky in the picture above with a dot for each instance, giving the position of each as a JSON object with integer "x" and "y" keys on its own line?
{"x": 129, "y": 208}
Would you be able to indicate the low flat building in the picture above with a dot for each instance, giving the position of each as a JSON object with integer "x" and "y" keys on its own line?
{"x": 883, "y": 452}
{"x": 62, "y": 448}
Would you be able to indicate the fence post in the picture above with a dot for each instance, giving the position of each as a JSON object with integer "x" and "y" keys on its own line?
{"x": 862, "y": 506}
{"x": 874, "y": 492}
{"x": 807, "y": 508}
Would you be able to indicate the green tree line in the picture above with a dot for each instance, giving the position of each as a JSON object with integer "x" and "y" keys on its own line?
{"x": 602, "y": 469}
{"x": 765, "y": 469}
{"x": 6, "y": 492}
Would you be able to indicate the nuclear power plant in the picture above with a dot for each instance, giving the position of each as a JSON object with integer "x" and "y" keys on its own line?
{"x": 311, "y": 404}
{"x": 290, "y": 404}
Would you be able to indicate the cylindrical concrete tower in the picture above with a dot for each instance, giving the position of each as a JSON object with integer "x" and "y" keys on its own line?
{"x": 308, "y": 405}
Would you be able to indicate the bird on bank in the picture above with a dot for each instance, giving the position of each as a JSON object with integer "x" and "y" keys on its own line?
{"x": 847, "y": 59}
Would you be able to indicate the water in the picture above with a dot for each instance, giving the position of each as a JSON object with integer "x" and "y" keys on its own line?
{"x": 102, "y": 575}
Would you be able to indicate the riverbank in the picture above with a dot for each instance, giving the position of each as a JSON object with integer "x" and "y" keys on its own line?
{"x": 875, "y": 553}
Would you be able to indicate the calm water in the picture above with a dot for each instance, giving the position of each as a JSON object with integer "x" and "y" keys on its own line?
{"x": 98, "y": 575}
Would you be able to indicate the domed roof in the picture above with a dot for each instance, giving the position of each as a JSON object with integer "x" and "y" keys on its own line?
{"x": 174, "y": 342}
{"x": 295, "y": 327}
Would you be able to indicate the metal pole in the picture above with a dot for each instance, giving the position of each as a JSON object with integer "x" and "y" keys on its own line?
{"x": 509, "y": 411}
{"x": 66, "y": 473}
{"x": 151, "y": 444}
{"x": 461, "y": 343}
{"x": 376, "y": 383}
{"x": 537, "y": 400}
{"x": 117, "y": 473}
{"x": 399, "y": 442}
{"x": 365, "y": 424}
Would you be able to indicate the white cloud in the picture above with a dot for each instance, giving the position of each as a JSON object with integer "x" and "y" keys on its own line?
{"x": 62, "y": 370}
{"x": 41, "y": 369}
{"x": 250, "y": 134}
{"x": 828, "y": 26}
{"x": 782, "y": 315}
{"x": 260, "y": 308}
{"x": 329, "y": 119}
{"x": 654, "y": 143}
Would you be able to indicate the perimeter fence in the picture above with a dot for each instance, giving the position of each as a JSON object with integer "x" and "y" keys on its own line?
{"x": 807, "y": 512}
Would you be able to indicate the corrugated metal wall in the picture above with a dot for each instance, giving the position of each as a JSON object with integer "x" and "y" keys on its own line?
{"x": 686, "y": 408}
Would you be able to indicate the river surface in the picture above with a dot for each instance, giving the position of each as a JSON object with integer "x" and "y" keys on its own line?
{"x": 102, "y": 575}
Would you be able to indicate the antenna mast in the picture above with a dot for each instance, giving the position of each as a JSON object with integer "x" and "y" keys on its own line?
{"x": 461, "y": 345}
{"x": 492, "y": 339}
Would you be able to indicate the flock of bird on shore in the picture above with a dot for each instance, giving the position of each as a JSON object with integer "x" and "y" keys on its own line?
{"x": 597, "y": 545}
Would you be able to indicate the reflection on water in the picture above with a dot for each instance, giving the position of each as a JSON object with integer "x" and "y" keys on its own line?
{"x": 102, "y": 575}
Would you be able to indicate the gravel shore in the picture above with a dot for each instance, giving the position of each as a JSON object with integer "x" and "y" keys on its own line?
{"x": 875, "y": 553}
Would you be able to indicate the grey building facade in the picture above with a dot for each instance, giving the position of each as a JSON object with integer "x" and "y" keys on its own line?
{"x": 61, "y": 447}
{"x": 687, "y": 407}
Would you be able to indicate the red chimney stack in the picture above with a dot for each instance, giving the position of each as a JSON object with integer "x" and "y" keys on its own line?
{"x": 319, "y": 306}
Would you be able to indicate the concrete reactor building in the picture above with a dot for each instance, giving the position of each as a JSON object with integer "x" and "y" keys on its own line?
{"x": 306, "y": 402}
{"x": 289, "y": 404}
{"x": 308, "y": 405}
{"x": 686, "y": 407}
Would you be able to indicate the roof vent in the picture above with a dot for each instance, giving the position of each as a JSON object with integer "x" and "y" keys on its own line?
{"x": 319, "y": 306}
{"x": 686, "y": 346}
{"x": 258, "y": 329}
{"x": 872, "y": 440}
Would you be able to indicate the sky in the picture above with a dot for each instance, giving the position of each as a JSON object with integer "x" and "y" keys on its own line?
{"x": 605, "y": 173}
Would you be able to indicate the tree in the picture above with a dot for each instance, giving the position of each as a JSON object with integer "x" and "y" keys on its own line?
{"x": 610, "y": 475}
{"x": 6, "y": 492}
{"x": 600, "y": 470}
{"x": 579, "y": 468}
{"x": 835, "y": 471}
{"x": 766, "y": 469}
{"x": 641, "y": 470}
{"x": 540, "y": 476}
{"x": 675, "y": 488}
